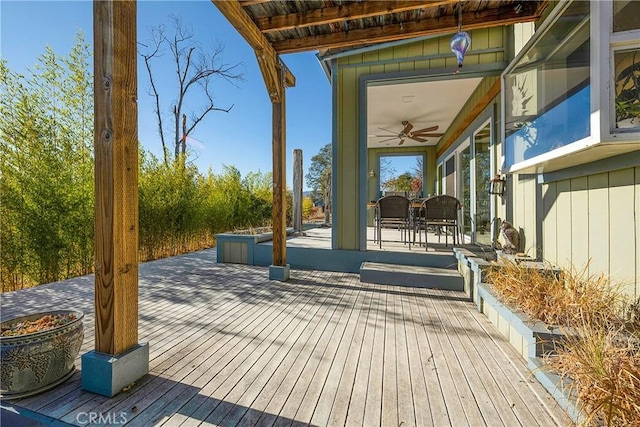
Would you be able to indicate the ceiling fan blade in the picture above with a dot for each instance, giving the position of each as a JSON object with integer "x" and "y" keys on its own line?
{"x": 422, "y": 135}
{"x": 415, "y": 138}
{"x": 385, "y": 140}
{"x": 401, "y": 142}
{"x": 389, "y": 130}
{"x": 429, "y": 129}
{"x": 407, "y": 127}
{"x": 383, "y": 136}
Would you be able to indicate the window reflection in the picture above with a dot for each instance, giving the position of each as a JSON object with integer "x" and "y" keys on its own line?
{"x": 626, "y": 15}
{"x": 548, "y": 91}
{"x": 627, "y": 89}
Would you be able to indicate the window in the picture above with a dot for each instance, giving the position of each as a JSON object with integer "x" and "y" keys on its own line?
{"x": 625, "y": 52}
{"x": 449, "y": 176}
{"x": 547, "y": 90}
{"x": 626, "y": 15}
{"x": 402, "y": 174}
{"x": 627, "y": 89}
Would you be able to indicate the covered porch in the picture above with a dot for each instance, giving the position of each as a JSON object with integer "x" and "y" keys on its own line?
{"x": 230, "y": 347}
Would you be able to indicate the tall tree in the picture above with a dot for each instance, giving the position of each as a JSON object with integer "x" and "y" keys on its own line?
{"x": 319, "y": 168}
{"x": 194, "y": 67}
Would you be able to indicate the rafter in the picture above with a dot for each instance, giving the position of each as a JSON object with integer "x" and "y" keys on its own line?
{"x": 252, "y": 2}
{"x": 432, "y": 26}
{"x": 349, "y": 11}
{"x": 267, "y": 57}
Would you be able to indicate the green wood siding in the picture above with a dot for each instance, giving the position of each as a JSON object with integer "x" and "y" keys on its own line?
{"x": 598, "y": 194}
{"x": 549, "y": 246}
{"x": 593, "y": 221}
{"x": 524, "y": 214}
{"x": 579, "y": 227}
{"x": 434, "y": 53}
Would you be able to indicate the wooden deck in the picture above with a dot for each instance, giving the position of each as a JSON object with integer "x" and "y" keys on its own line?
{"x": 229, "y": 347}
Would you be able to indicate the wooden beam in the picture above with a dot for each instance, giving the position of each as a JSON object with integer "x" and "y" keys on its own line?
{"x": 486, "y": 99}
{"x": 252, "y": 2}
{"x": 116, "y": 175}
{"x": 267, "y": 63}
{"x": 279, "y": 148}
{"x": 267, "y": 56}
{"x": 425, "y": 27}
{"x": 348, "y": 11}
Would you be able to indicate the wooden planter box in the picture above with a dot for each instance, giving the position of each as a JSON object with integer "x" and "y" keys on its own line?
{"x": 237, "y": 248}
{"x": 531, "y": 339}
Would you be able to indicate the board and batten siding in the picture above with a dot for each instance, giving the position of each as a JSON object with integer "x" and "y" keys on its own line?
{"x": 593, "y": 220}
{"x": 423, "y": 55}
{"x": 524, "y": 218}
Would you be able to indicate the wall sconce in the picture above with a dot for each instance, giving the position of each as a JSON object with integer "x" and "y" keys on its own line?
{"x": 372, "y": 173}
{"x": 497, "y": 185}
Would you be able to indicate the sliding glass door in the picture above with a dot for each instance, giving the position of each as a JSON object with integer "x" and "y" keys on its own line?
{"x": 482, "y": 174}
{"x": 467, "y": 172}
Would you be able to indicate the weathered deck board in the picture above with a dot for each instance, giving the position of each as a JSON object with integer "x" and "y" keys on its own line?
{"x": 229, "y": 347}
{"x": 508, "y": 372}
{"x": 356, "y": 401}
{"x": 442, "y": 359}
{"x": 373, "y": 398}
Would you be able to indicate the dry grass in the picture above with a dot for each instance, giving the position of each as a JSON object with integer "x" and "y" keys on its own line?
{"x": 601, "y": 354}
{"x": 603, "y": 365}
{"x": 556, "y": 299}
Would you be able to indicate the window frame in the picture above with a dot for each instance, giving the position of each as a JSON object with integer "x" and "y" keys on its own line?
{"x": 603, "y": 45}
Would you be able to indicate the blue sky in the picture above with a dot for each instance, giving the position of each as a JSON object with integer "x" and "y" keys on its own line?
{"x": 242, "y": 137}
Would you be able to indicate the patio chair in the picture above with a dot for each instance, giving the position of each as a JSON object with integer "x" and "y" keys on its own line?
{"x": 441, "y": 212}
{"x": 417, "y": 217}
{"x": 393, "y": 211}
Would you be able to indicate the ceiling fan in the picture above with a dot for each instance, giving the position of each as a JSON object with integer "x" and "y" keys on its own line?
{"x": 419, "y": 135}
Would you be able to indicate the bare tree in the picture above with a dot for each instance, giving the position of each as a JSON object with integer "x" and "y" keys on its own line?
{"x": 193, "y": 67}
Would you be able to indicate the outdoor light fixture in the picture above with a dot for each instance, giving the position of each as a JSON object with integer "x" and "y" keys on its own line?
{"x": 497, "y": 185}
{"x": 461, "y": 41}
{"x": 372, "y": 173}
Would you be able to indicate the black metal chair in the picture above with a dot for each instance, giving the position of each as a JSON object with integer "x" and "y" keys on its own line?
{"x": 393, "y": 211}
{"x": 417, "y": 216}
{"x": 441, "y": 212}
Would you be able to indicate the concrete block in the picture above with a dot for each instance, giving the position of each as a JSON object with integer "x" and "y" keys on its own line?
{"x": 277, "y": 272}
{"x": 107, "y": 374}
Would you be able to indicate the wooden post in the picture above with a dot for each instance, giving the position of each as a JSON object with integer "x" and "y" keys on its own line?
{"x": 327, "y": 199}
{"x": 297, "y": 190}
{"x": 116, "y": 175}
{"x": 118, "y": 359}
{"x": 279, "y": 178}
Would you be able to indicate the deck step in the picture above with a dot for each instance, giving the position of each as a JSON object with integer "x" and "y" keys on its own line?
{"x": 411, "y": 275}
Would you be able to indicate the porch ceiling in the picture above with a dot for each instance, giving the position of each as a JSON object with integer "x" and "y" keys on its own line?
{"x": 303, "y": 25}
{"x": 274, "y": 27}
{"x": 423, "y": 104}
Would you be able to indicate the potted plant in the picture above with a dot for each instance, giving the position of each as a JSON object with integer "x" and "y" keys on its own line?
{"x": 38, "y": 351}
{"x": 627, "y": 101}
